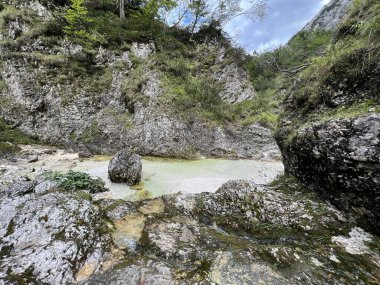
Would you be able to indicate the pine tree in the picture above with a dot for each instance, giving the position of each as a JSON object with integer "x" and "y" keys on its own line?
{"x": 78, "y": 23}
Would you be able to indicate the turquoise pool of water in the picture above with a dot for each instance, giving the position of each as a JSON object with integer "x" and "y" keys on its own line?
{"x": 166, "y": 176}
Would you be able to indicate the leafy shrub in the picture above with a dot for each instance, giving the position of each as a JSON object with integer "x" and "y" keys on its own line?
{"x": 201, "y": 97}
{"x": 12, "y": 135}
{"x": 76, "y": 181}
{"x": 263, "y": 109}
{"x": 78, "y": 23}
{"x": 264, "y": 68}
{"x": 7, "y": 148}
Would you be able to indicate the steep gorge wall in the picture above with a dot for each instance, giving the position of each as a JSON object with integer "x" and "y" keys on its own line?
{"x": 118, "y": 101}
{"x": 329, "y": 133}
{"x": 330, "y": 16}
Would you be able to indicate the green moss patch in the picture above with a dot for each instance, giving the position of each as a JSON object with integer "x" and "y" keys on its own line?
{"x": 11, "y": 137}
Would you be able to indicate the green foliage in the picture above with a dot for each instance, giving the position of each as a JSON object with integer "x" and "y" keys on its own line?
{"x": 153, "y": 7}
{"x": 202, "y": 93}
{"x": 263, "y": 109}
{"x": 77, "y": 29}
{"x": 47, "y": 30}
{"x": 351, "y": 58}
{"x": 275, "y": 70}
{"x": 344, "y": 112}
{"x": 92, "y": 133}
{"x": 12, "y": 135}
{"x": 266, "y": 67}
{"x": 347, "y": 73}
{"x": 8, "y": 148}
{"x": 116, "y": 31}
{"x": 190, "y": 94}
{"x": 11, "y": 13}
{"x": 77, "y": 181}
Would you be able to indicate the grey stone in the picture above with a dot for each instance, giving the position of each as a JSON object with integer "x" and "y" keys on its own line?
{"x": 106, "y": 123}
{"x": 45, "y": 186}
{"x": 47, "y": 238}
{"x": 85, "y": 154}
{"x": 125, "y": 167}
{"x": 346, "y": 167}
{"x": 149, "y": 273}
{"x": 245, "y": 234}
{"x": 143, "y": 50}
{"x": 33, "y": 158}
{"x": 330, "y": 16}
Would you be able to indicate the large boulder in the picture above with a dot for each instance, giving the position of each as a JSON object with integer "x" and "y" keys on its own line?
{"x": 49, "y": 238}
{"x": 341, "y": 160}
{"x": 125, "y": 167}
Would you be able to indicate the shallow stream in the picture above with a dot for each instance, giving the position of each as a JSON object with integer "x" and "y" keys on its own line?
{"x": 168, "y": 176}
{"x": 159, "y": 176}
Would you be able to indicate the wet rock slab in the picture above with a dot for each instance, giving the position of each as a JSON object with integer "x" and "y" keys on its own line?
{"x": 243, "y": 234}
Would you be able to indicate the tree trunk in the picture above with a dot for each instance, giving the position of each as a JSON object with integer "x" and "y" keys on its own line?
{"x": 194, "y": 26}
{"x": 122, "y": 9}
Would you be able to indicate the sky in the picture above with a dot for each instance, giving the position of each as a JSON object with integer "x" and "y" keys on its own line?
{"x": 284, "y": 19}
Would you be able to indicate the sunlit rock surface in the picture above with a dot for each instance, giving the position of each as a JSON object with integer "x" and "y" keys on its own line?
{"x": 330, "y": 16}
{"x": 47, "y": 238}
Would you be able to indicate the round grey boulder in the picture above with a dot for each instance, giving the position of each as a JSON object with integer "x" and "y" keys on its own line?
{"x": 125, "y": 167}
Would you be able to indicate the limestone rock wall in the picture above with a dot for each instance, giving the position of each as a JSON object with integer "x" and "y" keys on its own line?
{"x": 330, "y": 16}
{"x": 46, "y": 97}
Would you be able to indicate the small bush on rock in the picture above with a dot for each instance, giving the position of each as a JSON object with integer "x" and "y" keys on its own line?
{"x": 76, "y": 181}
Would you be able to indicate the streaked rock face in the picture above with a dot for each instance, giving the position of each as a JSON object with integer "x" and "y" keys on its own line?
{"x": 330, "y": 16}
{"x": 104, "y": 121}
{"x": 341, "y": 159}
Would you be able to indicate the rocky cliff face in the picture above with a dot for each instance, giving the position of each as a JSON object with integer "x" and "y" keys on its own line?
{"x": 330, "y": 16}
{"x": 243, "y": 233}
{"x": 121, "y": 99}
{"x": 329, "y": 134}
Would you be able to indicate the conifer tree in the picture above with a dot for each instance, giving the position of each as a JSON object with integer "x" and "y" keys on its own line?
{"x": 78, "y": 23}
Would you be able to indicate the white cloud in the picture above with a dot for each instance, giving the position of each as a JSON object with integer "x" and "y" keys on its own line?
{"x": 269, "y": 45}
{"x": 284, "y": 19}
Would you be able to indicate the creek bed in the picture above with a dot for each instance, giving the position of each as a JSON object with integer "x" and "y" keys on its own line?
{"x": 169, "y": 176}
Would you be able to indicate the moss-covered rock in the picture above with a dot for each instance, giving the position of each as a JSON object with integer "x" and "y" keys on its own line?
{"x": 329, "y": 132}
{"x": 242, "y": 234}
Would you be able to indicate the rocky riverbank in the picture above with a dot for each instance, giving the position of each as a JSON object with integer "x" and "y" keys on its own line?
{"x": 244, "y": 233}
{"x": 176, "y": 98}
